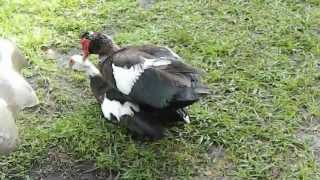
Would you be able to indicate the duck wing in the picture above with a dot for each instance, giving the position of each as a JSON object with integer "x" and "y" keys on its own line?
{"x": 157, "y": 82}
{"x": 159, "y": 52}
{"x": 22, "y": 93}
{"x": 14, "y": 88}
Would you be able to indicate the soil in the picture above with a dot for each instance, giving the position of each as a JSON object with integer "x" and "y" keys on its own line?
{"x": 61, "y": 166}
{"x": 146, "y": 4}
{"x": 310, "y": 132}
{"x": 220, "y": 163}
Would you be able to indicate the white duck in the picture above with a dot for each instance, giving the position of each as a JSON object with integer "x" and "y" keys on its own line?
{"x": 11, "y": 62}
{"x": 9, "y": 137}
{"x": 15, "y": 93}
{"x": 11, "y": 55}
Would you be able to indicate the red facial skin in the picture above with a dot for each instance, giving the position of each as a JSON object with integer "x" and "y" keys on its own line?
{"x": 85, "y": 43}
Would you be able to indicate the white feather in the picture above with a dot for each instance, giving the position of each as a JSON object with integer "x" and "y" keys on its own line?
{"x": 186, "y": 119}
{"x": 86, "y": 66}
{"x": 24, "y": 95}
{"x": 11, "y": 56}
{"x": 8, "y": 129}
{"x": 126, "y": 77}
{"x": 115, "y": 108}
{"x": 3, "y": 103}
{"x": 173, "y": 53}
{"x": 6, "y": 51}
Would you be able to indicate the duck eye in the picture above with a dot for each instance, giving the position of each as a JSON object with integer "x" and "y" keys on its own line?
{"x": 92, "y": 35}
{"x": 88, "y": 35}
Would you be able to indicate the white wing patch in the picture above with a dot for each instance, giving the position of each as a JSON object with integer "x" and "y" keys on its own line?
{"x": 186, "y": 119}
{"x": 173, "y": 53}
{"x": 126, "y": 77}
{"x": 117, "y": 109}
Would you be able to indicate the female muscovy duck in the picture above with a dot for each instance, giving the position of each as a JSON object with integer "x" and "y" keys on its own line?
{"x": 15, "y": 94}
{"x": 11, "y": 62}
{"x": 121, "y": 108}
{"x": 9, "y": 136}
{"x": 11, "y": 55}
{"x": 153, "y": 77}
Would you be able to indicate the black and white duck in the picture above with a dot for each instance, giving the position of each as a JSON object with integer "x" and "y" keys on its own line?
{"x": 152, "y": 76}
{"x": 120, "y": 108}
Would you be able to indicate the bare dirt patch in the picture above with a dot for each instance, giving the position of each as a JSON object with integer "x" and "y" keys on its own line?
{"x": 220, "y": 169}
{"x": 146, "y": 4}
{"x": 310, "y": 132}
{"x": 60, "y": 166}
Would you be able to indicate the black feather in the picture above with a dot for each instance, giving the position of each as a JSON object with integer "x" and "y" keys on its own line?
{"x": 140, "y": 125}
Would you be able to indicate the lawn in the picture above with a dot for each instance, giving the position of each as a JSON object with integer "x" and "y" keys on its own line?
{"x": 261, "y": 121}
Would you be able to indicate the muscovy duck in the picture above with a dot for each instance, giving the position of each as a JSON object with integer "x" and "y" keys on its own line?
{"x": 11, "y": 55}
{"x": 152, "y": 76}
{"x": 15, "y": 94}
{"x": 9, "y": 137}
{"x": 119, "y": 107}
{"x": 11, "y": 62}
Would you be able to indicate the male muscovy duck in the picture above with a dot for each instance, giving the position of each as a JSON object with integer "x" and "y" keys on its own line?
{"x": 119, "y": 107}
{"x": 152, "y": 76}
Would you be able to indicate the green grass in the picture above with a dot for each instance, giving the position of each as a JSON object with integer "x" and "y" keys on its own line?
{"x": 261, "y": 61}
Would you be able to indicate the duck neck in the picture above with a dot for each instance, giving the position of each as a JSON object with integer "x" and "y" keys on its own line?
{"x": 109, "y": 50}
{"x": 6, "y": 51}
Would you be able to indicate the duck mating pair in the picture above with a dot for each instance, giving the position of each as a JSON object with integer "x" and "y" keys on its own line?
{"x": 15, "y": 94}
{"x": 145, "y": 88}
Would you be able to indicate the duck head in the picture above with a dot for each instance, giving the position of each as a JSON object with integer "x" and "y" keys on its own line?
{"x": 97, "y": 43}
{"x": 76, "y": 62}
